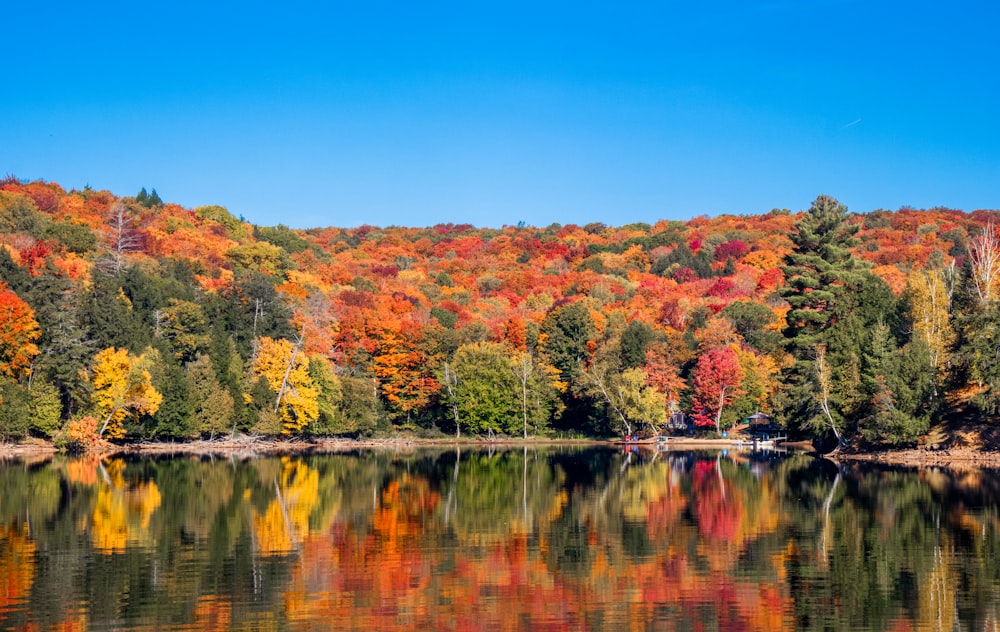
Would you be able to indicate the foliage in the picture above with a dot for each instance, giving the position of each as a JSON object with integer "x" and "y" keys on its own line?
{"x": 15, "y": 413}
{"x": 487, "y": 392}
{"x": 234, "y": 227}
{"x": 122, "y": 387}
{"x": 18, "y": 333}
{"x": 330, "y": 417}
{"x": 282, "y": 237}
{"x": 286, "y": 370}
{"x": 79, "y": 435}
{"x": 260, "y": 257}
{"x": 212, "y": 405}
{"x": 377, "y": 314}
{"x": 184, "y": 325}
{"x": 566, "y": 334}
{"x": 981, "y": 355}
{"x": 820, "y": 271}
{"x": 44, "y": 407}
{"x": 716, "y": 383}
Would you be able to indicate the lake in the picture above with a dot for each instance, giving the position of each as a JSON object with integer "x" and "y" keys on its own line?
{"x": 523, "y": 538}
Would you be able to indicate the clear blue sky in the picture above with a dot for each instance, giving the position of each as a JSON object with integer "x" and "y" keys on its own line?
{"x": 491, "y": 113}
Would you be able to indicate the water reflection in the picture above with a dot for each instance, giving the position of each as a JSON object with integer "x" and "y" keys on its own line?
{"x": 522, "y": 538}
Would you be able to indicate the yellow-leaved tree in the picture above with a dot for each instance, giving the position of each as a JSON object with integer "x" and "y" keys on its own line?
{"x": 286, "y": 370}
{"x": 123, "y": 386}
{"x": 929, "y": 293}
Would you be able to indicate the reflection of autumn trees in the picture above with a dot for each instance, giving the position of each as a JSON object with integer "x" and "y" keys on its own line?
{"x": 17, "y": 570}
{"x": 284, "y": 523}
{"x": 496, "y": 539}
{"x": 493, "y": 496}
{"x": 121, "y": 513}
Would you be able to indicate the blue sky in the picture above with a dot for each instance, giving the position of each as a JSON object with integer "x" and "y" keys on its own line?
{"x": 492, "y": 113}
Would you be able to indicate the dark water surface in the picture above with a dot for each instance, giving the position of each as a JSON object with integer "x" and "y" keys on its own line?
{"x": 572, "y": 539}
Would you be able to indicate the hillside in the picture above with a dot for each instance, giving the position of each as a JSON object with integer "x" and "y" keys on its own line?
{"x": 134, "y": 318}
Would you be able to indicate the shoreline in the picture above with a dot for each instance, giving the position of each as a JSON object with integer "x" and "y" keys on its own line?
{"x": 949, "y": 458}
{"x": 39, "y": 450}
{"x": 247, "y": 446}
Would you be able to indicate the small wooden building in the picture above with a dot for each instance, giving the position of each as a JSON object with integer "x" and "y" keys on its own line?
{"x": 758, "y": 420}
{"x": 762, "y": 428}
{"x": 677, "y": 421}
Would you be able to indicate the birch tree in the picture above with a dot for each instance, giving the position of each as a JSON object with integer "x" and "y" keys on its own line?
{"x": 984, "y": 262}
{"x": 121, "y": 238}
{"x": 929, "y": 296}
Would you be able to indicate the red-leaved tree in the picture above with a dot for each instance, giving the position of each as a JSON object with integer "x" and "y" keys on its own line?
{"x": 717, "y": 381}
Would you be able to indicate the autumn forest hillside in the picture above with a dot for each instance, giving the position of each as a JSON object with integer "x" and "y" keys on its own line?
{"x": 131, "y": 318}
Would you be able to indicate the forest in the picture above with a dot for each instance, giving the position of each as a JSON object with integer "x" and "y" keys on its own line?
{"x": 126, "y": 318}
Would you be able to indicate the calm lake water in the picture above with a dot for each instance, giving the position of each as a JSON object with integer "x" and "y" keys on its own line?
{"x": 549, "y": 539}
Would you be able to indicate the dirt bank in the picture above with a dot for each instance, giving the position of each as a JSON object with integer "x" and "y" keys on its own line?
{"x": 250, "y": 446}
{"x": 953, "y": 458}
{"x": 959, "y": 443}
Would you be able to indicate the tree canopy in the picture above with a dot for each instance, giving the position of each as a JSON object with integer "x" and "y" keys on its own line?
{"x": 861, "y": 325}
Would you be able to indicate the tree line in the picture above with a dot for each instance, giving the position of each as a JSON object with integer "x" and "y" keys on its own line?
{"x": 130, "y": 318}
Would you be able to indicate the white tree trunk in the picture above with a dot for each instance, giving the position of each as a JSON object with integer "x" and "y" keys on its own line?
{"x": 984, "y": 257}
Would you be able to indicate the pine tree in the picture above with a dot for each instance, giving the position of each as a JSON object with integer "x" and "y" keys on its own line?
{"x": 899, "y": 385}
{"x": 820, "y": 272}
{"x": 212, "y": 405}
{"x": 173, "y": 418}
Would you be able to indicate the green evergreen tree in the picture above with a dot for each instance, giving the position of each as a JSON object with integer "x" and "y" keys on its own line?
{"x": 15, "y": 412}
{"x": 75, "y": 238}
{"x": 66, "y": 347}
{"x": 107, "y": 315}
{"x": 899, "y": 385}
{"x": 16, "y": 277}
{"x": 211, "y": 403}
{"x": 44, "y": 406}
{"x": 979, "y": 354}
{"x": 752, "y": 321}
{"x": 567, "y": 330}
{"x": 66, "y": 350}
{"x": 173, "y": 418}
{"x": 635, "y": 339}
{"x": 819, "y": 272}
{"x": 251, "y": 308}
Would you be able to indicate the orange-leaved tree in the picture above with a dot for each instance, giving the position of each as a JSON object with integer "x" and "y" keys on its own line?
{"x": 401, "y": 369}
{"x": 18, "y": 333}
